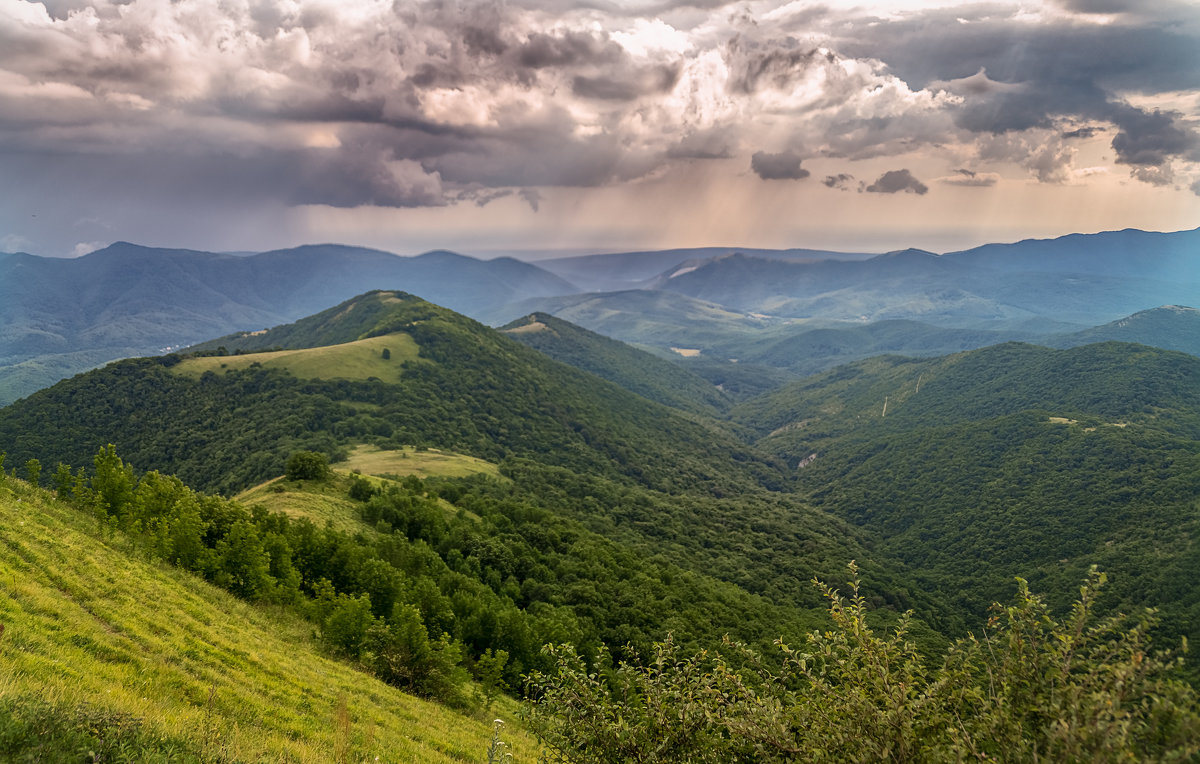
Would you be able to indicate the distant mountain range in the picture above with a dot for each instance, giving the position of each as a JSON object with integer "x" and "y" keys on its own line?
{"x": 797, "y": 311}
{"x": 58, "y": 317}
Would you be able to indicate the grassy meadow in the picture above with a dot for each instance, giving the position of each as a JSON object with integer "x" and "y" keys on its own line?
{"x": 430, "y": 462}
{"x": 360, "y": 359}
{"x": 102, "y": 646}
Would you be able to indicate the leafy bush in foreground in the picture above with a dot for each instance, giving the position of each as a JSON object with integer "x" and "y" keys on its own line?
{"x": 1030, "y": 688}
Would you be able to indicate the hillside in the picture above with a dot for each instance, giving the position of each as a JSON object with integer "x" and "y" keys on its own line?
{"x": 107, "y": 652}
{"x": 1010, "y": 460}
{"x": 1170, "y": 327}
{"x": 635, "y": 370}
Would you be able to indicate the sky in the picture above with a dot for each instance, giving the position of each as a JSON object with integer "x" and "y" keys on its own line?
{"x": 547, "y": 126}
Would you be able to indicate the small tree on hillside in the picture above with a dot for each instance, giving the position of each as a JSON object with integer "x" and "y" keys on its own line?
{"x": 307, "y": 465}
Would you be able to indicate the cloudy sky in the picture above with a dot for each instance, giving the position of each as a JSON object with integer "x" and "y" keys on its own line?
{"x": 588, "y": 125}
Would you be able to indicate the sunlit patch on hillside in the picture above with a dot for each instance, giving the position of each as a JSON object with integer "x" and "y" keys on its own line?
{"x": 430, "y": 462}
{"x": 380, "y": 357}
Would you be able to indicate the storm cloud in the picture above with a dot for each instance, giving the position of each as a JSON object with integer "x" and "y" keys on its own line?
{"x": 895, "y": 181}
{"x": 784, "y": 166}
{"x": 406, "y": 104}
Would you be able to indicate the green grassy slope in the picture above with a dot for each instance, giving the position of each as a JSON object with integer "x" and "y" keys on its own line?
{"x": 96, "y": 635}
{"x": 361, "y": 359}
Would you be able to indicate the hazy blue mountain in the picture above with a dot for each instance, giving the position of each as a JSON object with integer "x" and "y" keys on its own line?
{"x": 1086, "y": 279}
{"x": 649, "y": 318}
{"x": 629, "y": 270}
{"x": 131, "y": 299}
{"x": 1142, "y": 254}
{"x": 1172, "y": 327}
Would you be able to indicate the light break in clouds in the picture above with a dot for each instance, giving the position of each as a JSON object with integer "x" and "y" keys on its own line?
{"x": 541, "y": 123}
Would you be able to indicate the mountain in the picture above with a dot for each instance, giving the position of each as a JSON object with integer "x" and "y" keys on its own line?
{"x": 630, "y": 270}
{"x": 58, "y": 317}
{"x": 1169, "y": 257}
{"x": 635, "y": 370}
{"x": 1010, "y": 460}
{"x": 1078, "y": 278}
{"x": 1171, "y": 327}
{"x": 131, "y": 300}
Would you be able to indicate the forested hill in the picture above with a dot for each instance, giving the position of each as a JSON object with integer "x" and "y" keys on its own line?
{"x": 1011, "y": 460}
{"x": 408, "y": 373}
{"x": 636, "y": 370}
{"x": 460, "y": 386}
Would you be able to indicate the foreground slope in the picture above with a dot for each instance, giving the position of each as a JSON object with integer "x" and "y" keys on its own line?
{"x": 103, "y": 646}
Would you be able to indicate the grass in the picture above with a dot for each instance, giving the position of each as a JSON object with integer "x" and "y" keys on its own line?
{"x": 96, "y": 637}
{"x": 372, "y": 460}
{"x": 324, "y": 502}
{"x": 328, "y": 503}
{"x": 360, "y": 359}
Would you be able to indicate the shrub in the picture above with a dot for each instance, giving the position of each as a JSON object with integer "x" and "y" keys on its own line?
{"x": 1029, "y": 688}
{"x": 307, "y": 465}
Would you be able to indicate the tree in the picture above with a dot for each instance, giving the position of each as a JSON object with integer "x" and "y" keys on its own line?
{"x": 33, "y": 471}
{"x": 307, "y": 465}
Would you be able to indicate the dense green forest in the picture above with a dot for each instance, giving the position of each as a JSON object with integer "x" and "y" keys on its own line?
{"x": 1012, "y": 460}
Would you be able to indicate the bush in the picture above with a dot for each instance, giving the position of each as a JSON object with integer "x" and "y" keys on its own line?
{"x": 1030, "y": 688}
{"x": 307, "y": 465}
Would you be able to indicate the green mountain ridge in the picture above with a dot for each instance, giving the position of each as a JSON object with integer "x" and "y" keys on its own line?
{"x": 635, "y": 370}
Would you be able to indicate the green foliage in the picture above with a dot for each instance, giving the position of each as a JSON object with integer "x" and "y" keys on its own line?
{"x": 32, "y": 730}
{"x": 361, "y": 489}
{"x": 489, "y": 674}
{"x": 33, "y": 471}
{"x": 307, "y": 465}
{"x": 1029, "y": 688}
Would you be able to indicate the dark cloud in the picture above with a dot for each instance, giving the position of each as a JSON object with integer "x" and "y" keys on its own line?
{"x": 626, "y": 86}
{"x": 895, "y": 181}
{"x": 713, "y": 143}
{"x": 1016, "y": 76}
{"x": 784, "y": 166}
{"x": 842, "y": 181}
{"x": 541, "y": 50}
{"x": 1083, "y": 132}
{"x": 755, "y": 64}
{"x": 970, "y": 179}
{"x": 1196, "y": 188}
{"x": 1152, "y": 138}
{"x": 532, "y": 197}
{"x": 1101, "y": 6}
